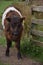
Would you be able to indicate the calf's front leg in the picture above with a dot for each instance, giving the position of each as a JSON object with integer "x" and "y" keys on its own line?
{"x": 18, "y": 50}
{"x": 9, "y": 43}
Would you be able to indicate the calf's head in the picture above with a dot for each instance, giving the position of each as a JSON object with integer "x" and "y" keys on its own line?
{"x": 15, "y": 25}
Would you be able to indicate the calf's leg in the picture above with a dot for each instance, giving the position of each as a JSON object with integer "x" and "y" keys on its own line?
{"x": 18, "y": 50}
{"x": 9, "y": 43}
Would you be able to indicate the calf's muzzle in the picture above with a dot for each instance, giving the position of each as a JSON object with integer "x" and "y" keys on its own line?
{"x": 15, "y": 33}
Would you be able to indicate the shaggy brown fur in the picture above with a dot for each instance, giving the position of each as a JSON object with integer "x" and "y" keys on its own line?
{"x": 9, "y": 30}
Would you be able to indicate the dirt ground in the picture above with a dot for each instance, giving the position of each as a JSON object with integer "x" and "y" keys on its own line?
{"x": 12, "y": 60}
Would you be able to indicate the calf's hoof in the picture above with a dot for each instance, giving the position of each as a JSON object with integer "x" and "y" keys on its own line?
{"x": 7, "y": 53}
{"x": 19, "y": 56}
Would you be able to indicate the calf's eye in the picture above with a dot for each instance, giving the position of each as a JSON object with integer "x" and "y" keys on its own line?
{"x": 19, "y": 25}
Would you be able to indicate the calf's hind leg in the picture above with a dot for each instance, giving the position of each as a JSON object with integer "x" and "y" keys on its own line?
{"x": 9, "y": 43}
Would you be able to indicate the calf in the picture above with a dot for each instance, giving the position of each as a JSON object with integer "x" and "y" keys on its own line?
{"x": 12, "y": 25}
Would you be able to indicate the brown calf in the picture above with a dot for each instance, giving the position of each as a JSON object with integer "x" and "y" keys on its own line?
{"x": 13, "y": 29}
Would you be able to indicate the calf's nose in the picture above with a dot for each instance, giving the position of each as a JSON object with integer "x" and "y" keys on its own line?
{"x": 15, "y": 33}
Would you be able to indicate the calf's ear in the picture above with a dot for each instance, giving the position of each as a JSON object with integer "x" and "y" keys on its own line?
{"x": 23, "y": 18}
{"x": 8, "y": 19}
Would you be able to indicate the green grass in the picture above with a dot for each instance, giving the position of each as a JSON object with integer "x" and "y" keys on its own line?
{"x": 2, "y": 40}
{"x": 3, "y": 64}
{"x": 40, "y": 27}
{"x": 38, "y": 38}
{"x": 3, "y": 5}
{"x": 31, "y": 50}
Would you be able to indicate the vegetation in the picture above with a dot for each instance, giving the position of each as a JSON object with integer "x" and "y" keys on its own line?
{"x": 31, "y": 50}
{"x": 3, "y": 64}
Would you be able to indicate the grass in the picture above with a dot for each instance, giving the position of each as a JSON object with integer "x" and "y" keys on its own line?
{"x": 5, "y": 4}
{"x": 3, "y": 64}
{"x": 31, "y": 50}
{"x": 38, "y": 38}
{"x": 2, "y": 41}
